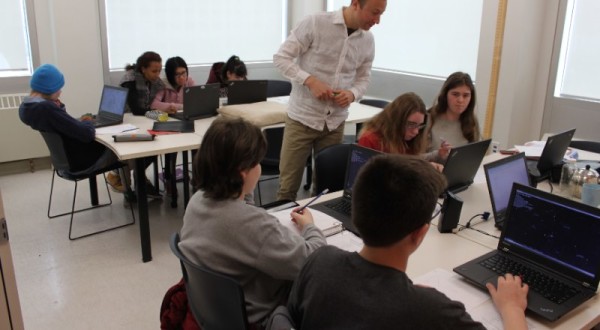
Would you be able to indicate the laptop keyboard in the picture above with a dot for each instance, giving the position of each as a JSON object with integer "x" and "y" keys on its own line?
{"x": 342, "y": 205}
{"x": 546, "y": 286}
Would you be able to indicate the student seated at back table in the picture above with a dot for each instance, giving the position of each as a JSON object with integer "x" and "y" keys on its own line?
{"x": 222, "y": 73}
{"x": 452, "y": 118}
{"x": 170, "y": 98}
{"x": 392, "y": 202}
{"x": 142, "y": 79}
{"x": 225, "y": 234}
{"x": 43, "y": 111}
{"x": 398, "y": 128}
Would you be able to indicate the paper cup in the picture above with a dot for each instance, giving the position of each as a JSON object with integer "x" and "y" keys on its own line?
{"x": 590, "y": 194}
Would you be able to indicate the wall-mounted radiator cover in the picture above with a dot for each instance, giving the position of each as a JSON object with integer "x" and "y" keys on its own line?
{"x": 18, "y": 141}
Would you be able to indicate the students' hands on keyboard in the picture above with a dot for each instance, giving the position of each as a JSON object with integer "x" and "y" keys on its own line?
{"x": 87, "y": 117}
{"x": 510, "y": 298}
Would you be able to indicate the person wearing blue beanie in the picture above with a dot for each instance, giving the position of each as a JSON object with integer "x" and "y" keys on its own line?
{"x": 47, "y": 79}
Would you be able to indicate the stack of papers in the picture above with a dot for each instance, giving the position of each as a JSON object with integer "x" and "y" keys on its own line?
{"x": 328, "y": 224}
{"x": 478, "y": 303}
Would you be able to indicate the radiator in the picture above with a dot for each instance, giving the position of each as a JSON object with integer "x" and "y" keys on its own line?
{"x": 18, "y": 141}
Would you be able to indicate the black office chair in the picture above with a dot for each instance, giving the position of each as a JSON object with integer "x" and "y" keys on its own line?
{"x": 270, "y": 163}
{"x": 278, "y": 88}
{"x": 330, "y": 167}
{"x": 591, "y": 146}
{"x": 217, "y": 301}
{"x": 62, "y": 168}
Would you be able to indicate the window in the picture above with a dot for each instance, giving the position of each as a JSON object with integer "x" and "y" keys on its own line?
{"x": 447, "y": 38}
{"x": 15, "y": 51}
{"x": 578, "y": 73}
{"x": 201, "y": 32}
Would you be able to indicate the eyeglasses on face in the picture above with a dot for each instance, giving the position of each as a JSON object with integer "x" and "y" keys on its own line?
{"x": 181, "y": 74}
{"x": 413, "y": 125}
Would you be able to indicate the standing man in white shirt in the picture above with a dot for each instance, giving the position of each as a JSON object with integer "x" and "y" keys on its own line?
{"x": 328, "y": 58}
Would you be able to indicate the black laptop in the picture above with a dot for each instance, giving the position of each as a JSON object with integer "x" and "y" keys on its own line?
{"x": 112, "y": 106}
{"x": 462, "y": 164}
{"x": 500, "y": 176}
{"x": 552, "y": 155}
{"x": 340, "y": 207}
{"x": 246, "y": 91}
{"x": 552, "y": 243}
{"x": 199, "y": 102}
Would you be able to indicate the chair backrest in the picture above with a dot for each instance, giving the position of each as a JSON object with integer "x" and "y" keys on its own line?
{"x": 58, "y": 154}
{"x": 330, "y": 167}
{"x": 591, "y": 146}
{"x": 274, "y": 137}
{"x": 217, "y": 301}
{"x": 278, "y": 88}
{"x": 214, "y": 75}
{"x": 375, "y": 102}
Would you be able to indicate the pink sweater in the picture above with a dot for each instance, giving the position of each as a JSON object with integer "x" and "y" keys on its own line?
{"x": 169, "y": 96}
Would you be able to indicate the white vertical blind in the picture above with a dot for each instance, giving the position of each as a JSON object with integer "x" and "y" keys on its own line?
{"x": 578, "y": 74}
{"x": 198, "y": 31}
{"x": 15, "y": 58}
{"x": 426, "y": 37}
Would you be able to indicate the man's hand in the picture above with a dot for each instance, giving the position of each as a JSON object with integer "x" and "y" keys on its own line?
{"x": 510, "y": 299}
{"x": 343, "y": 98}
{"x": 319, "y": 89}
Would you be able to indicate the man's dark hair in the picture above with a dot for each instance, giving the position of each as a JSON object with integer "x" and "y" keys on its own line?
{"x": 228, "y": 147}
{"x": 393, "y": 196}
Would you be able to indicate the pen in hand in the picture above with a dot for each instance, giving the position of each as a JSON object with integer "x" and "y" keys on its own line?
{"x": 312, "y": 200}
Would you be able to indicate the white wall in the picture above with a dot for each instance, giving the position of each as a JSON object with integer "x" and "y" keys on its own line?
{"x": 69, "y": 36}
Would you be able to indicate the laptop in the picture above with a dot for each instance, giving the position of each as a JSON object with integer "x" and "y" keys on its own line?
{"x": 112, "y": 106}
{"x": 552, "y": 155}
{"x": 340, "y": 207}
{"x": 199, "y": 102}
{"x": 462, "y": 165}
{"x": 246, "y": 91}
{"x": 500, "y": 176}
{"x": 552, "y": 243}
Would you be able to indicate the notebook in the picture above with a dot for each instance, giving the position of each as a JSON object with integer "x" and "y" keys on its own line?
{"x": 462, "y": 164}
{"x": 246, "y": 91}
{"x": 340, "y": 207}
{"x": 547, "y": 236}
{"x": 326, "y": 223}
{"x": 112, "y": 106}
{"x": 500, "y": 176}
{"x": 552, "y": 155}
{"x": 199, "y": 102}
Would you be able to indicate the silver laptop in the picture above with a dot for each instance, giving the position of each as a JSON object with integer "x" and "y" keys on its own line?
{"x": 500, "y": 176}
{"x": 199, "y": 102}
{"x": 552, "y": 243}
{"x": 112, "y": 106}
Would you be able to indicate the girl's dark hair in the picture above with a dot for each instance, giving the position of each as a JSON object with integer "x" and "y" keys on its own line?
{"x": 144, "y": 61}
{"x": 171, "y": 66}
{"x": 391, "y": 125}
{"x": 233, "y": 65}
{"x": 228, "y": 147}
{"x": 468, "y": 121}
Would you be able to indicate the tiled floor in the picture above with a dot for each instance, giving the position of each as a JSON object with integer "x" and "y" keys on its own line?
{"x": 97, "y": 282}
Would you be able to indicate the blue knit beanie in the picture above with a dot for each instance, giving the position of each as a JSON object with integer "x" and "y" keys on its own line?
{"x": 47, "y": 79}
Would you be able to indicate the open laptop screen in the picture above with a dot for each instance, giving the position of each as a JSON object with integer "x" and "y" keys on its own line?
{"x": 357, "y": 158}
{"x": 554, "y": 231}
{"x": 500, "y": 177}
{"x": 113, "y": 100}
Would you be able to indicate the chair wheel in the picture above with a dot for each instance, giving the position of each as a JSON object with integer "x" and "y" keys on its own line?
{"x": 307, "y": 187}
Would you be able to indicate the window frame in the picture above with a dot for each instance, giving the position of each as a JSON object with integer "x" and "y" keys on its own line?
{"x": 20, "y": 83}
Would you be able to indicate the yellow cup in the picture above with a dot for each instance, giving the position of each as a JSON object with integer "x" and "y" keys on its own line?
{"x": 163, "y": 117}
